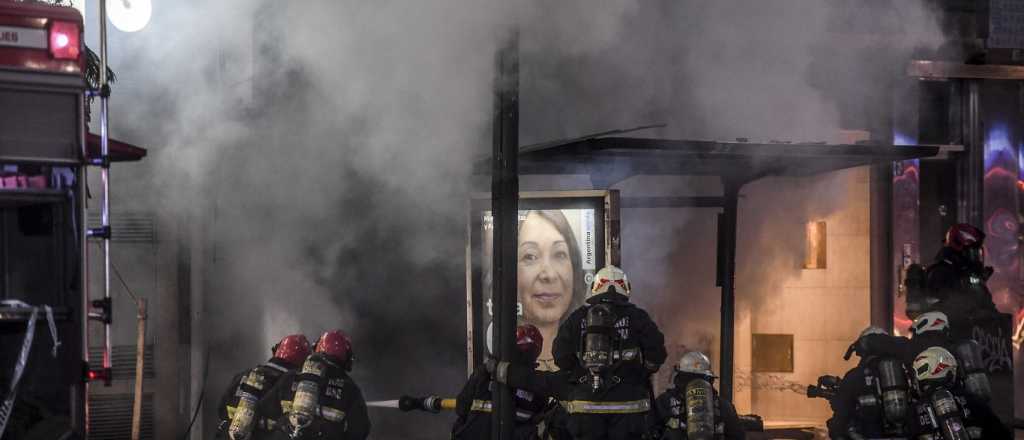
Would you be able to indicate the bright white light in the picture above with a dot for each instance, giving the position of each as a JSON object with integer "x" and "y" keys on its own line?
{"x": 129, "y": 15}
{"x": 62, "y": 41}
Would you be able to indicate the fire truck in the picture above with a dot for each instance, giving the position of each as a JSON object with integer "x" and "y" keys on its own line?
{"x": 45, "y": 151}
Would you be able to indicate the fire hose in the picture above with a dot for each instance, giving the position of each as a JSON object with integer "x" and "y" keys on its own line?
{"x": 432, "y": 404}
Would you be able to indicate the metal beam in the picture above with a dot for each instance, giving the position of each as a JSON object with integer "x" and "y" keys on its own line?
{"x": 946, "y": 70}
{"x": 672, "y": 202}
{"x": 505, "y": 204}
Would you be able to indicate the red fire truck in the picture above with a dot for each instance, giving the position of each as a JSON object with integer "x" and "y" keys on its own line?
{"x": 44, "y": 152}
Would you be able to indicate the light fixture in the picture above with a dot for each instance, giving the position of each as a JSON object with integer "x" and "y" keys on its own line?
{"x": 817, "y": 249}
{"x": 129, "y": 15}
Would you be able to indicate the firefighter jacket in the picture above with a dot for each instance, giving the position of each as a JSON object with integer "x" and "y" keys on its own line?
{"x": 257, "y": 381}
{"x": 639, "y": 345}
{"x": 339, "y": 412}
{"x": 474, "y": 409}
{"x": 639, "y": 350}
{"x": 900, "y": 347}
{"x": 978, "y": 419}
{"x": 850, "y": 412}
{"x": 959, "y": 285}
{"x": 669, "y": 417}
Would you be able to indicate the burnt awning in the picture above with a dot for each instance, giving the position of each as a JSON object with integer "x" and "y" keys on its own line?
{"x": 610, "y": 159}
{"x": 119, "y": 151}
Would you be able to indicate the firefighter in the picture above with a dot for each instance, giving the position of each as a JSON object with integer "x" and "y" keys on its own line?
{"x": 692, "y": 408}
{"x": 872, "y": 399}
{"x": 473, "y": 405}
{"x": 238, "y": 404}
{"x": 940, "y": 410}
{"x": 932, "y": 329}
{"x": 970, "y": 382}
{"x": 957, "y": 277}
{"x": 608, "y": 349}
{"x": 320, "y": 401}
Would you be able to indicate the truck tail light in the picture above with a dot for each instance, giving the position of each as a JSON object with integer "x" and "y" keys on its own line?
{"x": 65, "y": 40}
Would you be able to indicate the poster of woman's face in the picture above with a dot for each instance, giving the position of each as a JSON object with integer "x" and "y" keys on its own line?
{"x": 555, "y": 264}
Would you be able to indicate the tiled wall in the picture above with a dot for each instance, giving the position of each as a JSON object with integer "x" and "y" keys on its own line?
{"x": 824, "y": 309}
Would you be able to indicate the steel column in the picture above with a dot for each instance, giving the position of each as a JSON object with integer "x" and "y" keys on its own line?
{"x": 505, "y": 205}
{"x": 972, "y": 164}
{"x": 727, "y": 253}
{"x": 881, "y": 256}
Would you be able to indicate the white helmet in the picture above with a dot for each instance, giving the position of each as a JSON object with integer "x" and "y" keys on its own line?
{"x": 935, "y": 363}
{"x": 695, "y": 362}
{"x": 608, "y": 278}
{"x": 873, "y": 330}
{"x": 930, "y": 322}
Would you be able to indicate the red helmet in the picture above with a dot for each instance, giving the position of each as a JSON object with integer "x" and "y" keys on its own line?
{"x": 293, "y": 349}
{"x": 963, "y": 236}
{"x": 529, "y": 341}
{"x": 335, "y": 343}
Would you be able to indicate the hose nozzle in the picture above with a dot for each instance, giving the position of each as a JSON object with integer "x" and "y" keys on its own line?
{"x": 433, "y": 404}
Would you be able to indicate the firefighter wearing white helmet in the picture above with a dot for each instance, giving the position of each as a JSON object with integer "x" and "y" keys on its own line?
{"x": 606, "y": 351}
{"x": 608, "y": 279}
{"x": 928, "y": 329}
{"x": 942, "y": 411}
{"x": 872, "y": 400}
{"x": 932, "y": 329}
{"x": 696, "y": 363}
{"x": 938, "y": 411}
{"x": 692, "y": 409}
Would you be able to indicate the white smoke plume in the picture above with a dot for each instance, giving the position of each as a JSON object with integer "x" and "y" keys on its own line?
{"x": 326, "y": 146}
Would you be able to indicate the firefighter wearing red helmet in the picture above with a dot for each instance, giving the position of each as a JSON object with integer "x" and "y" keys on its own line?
{"x": 606, "y": 351}
{"x": 320, "y": 400}
{"x": 956, "y": 280}
{"x": 238, "y": 415}
{"x": 473, "y": 405}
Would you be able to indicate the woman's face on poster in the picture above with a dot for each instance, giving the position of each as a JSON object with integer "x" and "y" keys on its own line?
{"x": 545, "y": 271}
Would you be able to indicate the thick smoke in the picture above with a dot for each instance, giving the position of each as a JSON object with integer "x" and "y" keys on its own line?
{"x": 782, "y": 70}
{"x": 324, "y": 148}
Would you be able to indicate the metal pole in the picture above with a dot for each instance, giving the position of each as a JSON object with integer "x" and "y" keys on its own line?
{"x": 881, "y": 256}
{"x": 505, "y": 204}
{"x": 83, "y": 279}
{"x": 727, "y": 247}
{"x": 140, "y": 363}
{"x": 105, "y": 177}
{"x": 973, "y": 164}
{"x": 902, "y": 115}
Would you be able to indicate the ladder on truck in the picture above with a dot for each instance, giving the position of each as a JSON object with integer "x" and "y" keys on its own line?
{"x": 103, "y": 233}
